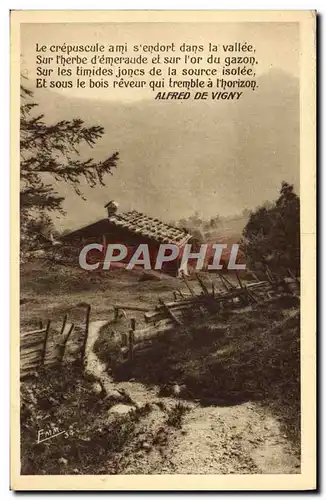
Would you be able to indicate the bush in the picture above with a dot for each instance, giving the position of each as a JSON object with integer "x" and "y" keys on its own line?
{"x": 176, "y": 415}
{"x": 63, "y": 400}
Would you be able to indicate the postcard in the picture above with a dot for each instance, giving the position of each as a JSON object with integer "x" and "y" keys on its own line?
{"x": 163, "y": 245}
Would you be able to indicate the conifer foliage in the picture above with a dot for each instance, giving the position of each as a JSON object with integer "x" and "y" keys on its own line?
{"x": 50, "y": 154}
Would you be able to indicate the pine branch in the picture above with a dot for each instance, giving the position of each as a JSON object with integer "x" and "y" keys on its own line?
{"x": 53, "y": 150}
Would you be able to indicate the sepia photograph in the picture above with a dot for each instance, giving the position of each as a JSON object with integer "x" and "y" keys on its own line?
{"x": 162, "y": 188}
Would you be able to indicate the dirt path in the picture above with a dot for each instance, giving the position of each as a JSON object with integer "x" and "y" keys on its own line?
{"x": 230, "y": 440}
{"x": 239, "y": 439}
{"x": 93, "y": 365}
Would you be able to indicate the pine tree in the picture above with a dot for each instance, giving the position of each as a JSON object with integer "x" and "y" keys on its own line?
{"x": 50, "y": 152}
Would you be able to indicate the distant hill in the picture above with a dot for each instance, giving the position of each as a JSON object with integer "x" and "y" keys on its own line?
{"x": 184, "y": 156}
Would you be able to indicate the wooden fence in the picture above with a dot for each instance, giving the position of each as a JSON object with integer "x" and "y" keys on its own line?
{"x": 36, "y": 351}
{"x": 33, "y": 349}
{"x": 185, "y": 308}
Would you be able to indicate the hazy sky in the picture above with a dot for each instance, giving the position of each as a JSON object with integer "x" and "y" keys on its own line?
{"x": 277, "y": 45}
{"x": 180, "y": 157}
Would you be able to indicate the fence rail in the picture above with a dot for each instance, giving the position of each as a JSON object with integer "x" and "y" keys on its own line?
{"x": 185, "y": 307}
{"x": 208, "y": 299}
{"x": 36, "y": 351}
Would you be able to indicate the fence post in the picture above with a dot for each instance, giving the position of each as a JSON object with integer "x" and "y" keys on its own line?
{"x": 238, "y": 278}
{"x": 64, "y": 324}
{"x": 187, "y": 285}
{"x": 170, "y": 313}
{"x": 131, "y": 341}
{"x": 223, "y": 283}
{"x": 47, "y": 329}
{"x": 88, "y": 312}
{"x": 63, "y": 344}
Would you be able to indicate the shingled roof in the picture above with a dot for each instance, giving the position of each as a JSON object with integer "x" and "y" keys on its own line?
{"x": 138, "y": 224}
{"x": 146, "y": 226}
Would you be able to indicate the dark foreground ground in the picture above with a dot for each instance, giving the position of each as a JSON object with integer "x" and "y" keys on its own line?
{"x": 221, "y": 396}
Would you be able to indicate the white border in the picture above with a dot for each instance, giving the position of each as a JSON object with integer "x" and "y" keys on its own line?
{"x": 4, "y": 185}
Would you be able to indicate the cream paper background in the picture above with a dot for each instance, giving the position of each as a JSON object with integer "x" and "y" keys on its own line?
{"x": 306, "y": 479}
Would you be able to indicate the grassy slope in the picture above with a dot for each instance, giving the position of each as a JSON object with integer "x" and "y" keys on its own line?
{"x": 50, "y": 292}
